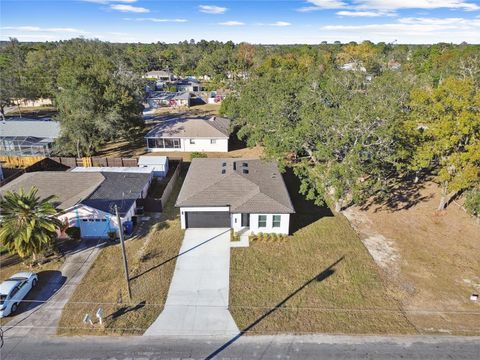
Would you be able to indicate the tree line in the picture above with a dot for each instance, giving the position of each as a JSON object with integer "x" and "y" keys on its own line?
{"x": 399, "y": 115}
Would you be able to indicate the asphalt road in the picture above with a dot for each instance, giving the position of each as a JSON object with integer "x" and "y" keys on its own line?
{"x": 247, "y": 347}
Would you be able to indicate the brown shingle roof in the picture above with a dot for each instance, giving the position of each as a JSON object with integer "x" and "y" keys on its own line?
{"x": 214, "y": 127}
{"x": 261, "y": 189}
{"x": 69, "y": 187}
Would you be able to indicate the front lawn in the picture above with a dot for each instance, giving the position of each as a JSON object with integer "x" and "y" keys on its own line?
{"x": 151, "y": 257}
{"x": 321, "y": 279}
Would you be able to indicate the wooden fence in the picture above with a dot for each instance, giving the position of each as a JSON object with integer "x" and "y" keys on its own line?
{"x": 151, "y": 204}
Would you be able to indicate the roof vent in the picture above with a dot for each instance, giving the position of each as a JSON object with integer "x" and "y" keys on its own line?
{"x": 245, "y": 164}
{"x": 234, "y": 165}
{"x": 224, "y": 171}
{"x": 224, "y": 164}
{"x": 245, "y": 171}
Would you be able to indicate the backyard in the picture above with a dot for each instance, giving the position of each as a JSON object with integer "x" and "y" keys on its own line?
{"x": 321, "y": 279}
{"x": 151, "y": 255}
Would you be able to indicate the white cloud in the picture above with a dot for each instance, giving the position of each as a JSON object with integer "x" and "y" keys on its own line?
{"x": 361, "y": 13}
{"x": 280, "y": 23}
{"x": 157, "y": 20}
{"x": 212, "y": 9}
{"x": 390, "y": 5}
{"x": 129, "y": 8}
{"x": 29, "y": 29}
{"x": 232, "y": 23}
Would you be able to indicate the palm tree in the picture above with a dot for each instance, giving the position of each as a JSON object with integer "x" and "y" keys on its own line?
{"x": 27, "y": 223}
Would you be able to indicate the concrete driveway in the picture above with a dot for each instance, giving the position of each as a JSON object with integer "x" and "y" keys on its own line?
{"x": 42, "y": 316}
{"x": 197, "y": 301}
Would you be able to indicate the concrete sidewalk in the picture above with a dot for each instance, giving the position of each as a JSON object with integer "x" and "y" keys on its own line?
{"x": 197, "y": 302}
{"x": 41, "y": 319}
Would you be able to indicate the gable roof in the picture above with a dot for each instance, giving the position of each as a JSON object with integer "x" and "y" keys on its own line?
{"x": 201, "y": 127}
{"x": 35, "y": 128}
{"x": 260, "y": 189}
{"x": 69, "y": 188}
{"x": 121, "y": 189}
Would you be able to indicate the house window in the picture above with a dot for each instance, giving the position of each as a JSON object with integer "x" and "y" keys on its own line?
{"x": 151, "y": 143}
{"x": 213, "y": 141}
{"x": 276, "y": 221}
{"x": 192, "y": 141}
{"x": 262, "y": 221}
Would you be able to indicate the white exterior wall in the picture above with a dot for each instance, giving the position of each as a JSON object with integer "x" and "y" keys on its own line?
{"x": 204, "y": 145}
{"x": 283, "y": 229}
{"x": 183, "y": 210}
{"x": 201, "y": 144}
{"x": 76, "y": 214}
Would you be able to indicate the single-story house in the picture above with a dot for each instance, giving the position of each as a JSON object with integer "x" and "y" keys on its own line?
{"x": 157, "y": 99}
{"x": 190, "y": 85}
{"x": 242, "y": 194}
{"x": 28, "y": 137}
{"x": 157, "y": 164}
{"x": 86, "y": 199}
{"x": 163, "y": 75}
{"x": 190, "y": 134}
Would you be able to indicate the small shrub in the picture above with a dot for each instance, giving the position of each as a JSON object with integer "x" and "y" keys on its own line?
{"x": 472, "y": 202}
{"x": 73, "y": 232}
{"x": 197, "y": 154}
{"x": 234, "y": 236}
{"x": 112, "y": 235}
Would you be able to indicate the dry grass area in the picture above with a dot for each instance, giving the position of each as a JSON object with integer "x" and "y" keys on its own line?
{"x": 430, "y": 259}
{"x": 151, "y": 259}
{"x": 320, "y": 279}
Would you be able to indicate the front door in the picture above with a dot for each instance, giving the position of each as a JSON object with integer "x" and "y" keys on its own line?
{"x": 245, "y": 220}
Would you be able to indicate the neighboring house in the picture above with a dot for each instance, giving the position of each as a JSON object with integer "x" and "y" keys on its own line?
{"x": 190, "y": 134}
{"x": 86, "y": 199}
{"x": 157, "y": 164}
{"x": 191, "y": 85}
{"x": 162, "y": 75}
{"x": 158, "y": 99}
{"x": 245, "y": 195}
{"x": 394, "y": 65}
{"x": 28, "y": 137}
{"x": 353, "y": 66}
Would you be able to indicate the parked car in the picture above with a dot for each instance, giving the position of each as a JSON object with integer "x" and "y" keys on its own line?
{"x": 14, "y": 290}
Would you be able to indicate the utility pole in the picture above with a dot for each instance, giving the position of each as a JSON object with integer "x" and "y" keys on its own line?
{"x": 122, "y": 243}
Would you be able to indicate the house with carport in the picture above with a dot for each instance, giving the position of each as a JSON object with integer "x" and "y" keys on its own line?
{"x": 246, "y": 195}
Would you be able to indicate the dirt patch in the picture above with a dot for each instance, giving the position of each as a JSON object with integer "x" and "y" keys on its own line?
{"x": 430, "y": 260}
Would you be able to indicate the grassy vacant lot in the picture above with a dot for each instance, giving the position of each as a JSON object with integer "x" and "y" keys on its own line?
{"x": 151, "y": 257}
{"x": 320, "y": 279}
{"x": 431, "y": 259}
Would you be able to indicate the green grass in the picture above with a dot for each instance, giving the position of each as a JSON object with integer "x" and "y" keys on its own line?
{"x": 289, "y": 286}
{"x": 151, "y": 262}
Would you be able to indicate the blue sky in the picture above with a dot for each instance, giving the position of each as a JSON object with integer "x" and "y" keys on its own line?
{"x": 264, "y": 21}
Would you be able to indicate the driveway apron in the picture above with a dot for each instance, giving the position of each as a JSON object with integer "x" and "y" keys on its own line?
{"x": 197, "y": 301}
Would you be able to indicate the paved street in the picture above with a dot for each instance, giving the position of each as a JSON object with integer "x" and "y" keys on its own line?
{"x": 41, "y": 317}
{"x": 197, "y": 302}
{"x": 248, "y": 347}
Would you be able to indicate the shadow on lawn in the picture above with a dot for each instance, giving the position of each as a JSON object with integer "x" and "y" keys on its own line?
{"x": 402, "y": 194}
{"x": 329, "y": 271}
{"x": 126, "y": 309}
{"x": 306, "y": 212}
{"x": 176, "y": 256}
